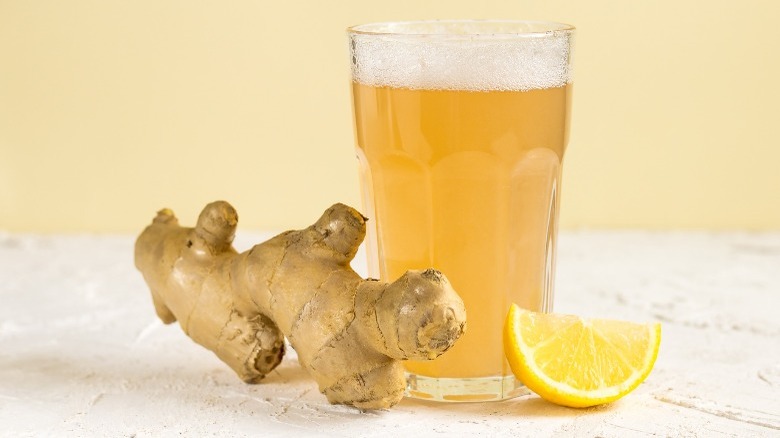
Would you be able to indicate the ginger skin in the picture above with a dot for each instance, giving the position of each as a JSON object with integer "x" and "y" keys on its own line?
{"x": 351, "y": 334}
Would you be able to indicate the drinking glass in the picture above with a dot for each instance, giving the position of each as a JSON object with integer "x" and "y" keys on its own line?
{"x": 461, "y": 129}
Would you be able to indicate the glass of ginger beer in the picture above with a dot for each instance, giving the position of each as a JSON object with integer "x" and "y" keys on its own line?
{"x": 461, "y": 128}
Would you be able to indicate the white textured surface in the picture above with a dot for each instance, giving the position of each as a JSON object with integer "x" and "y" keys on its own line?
{"x": 82, "y": 354}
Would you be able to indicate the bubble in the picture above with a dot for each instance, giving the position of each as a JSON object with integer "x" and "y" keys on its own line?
{"x": 474, "y": 55}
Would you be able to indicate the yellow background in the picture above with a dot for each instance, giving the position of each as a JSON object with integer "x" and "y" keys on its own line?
{"x": 110, "y": 110}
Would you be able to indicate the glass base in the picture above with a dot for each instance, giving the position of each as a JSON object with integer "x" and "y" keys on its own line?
{"x": 464, "y": 389}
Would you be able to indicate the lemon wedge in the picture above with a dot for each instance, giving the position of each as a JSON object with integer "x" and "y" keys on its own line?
{"x": 578, "y": 362}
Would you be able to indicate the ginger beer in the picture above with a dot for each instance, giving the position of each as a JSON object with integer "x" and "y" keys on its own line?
{"x": 461, "y": 171}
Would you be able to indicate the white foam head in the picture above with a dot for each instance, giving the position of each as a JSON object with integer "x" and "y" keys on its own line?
{"x": 462, "y": 55}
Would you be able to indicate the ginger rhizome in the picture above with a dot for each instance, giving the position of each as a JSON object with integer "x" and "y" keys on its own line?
{"x": 351, "y": 334}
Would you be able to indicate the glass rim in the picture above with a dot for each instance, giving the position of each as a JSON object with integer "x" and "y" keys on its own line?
{"x": 545, "y": 28}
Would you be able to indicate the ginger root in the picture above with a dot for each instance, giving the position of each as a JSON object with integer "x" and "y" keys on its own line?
{"x": 351, "y": 334}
